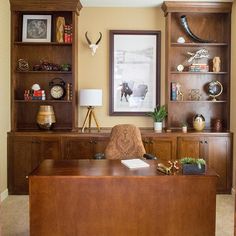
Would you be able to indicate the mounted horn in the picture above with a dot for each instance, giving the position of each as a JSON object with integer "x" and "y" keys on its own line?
{"x": 184, "y": 23}
{"x": 88, "y": 40}
{"x": 99, "y": 38}
{"x": 93, "y": 46}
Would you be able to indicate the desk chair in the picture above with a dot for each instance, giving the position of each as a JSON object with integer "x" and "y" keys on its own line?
{"x": 126, "y": 143}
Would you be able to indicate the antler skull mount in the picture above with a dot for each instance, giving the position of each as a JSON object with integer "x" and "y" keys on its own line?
{"x": 93, "y": 46}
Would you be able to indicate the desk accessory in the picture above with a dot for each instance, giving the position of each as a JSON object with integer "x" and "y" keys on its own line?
{"x": 135, "y": 163}
{"x": 171, "y": 169}
{"x": 191, "y": 166}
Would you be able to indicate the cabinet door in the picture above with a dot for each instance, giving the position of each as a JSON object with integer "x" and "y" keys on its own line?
{"x": 219, "y": 159}
{"x": 100, "y": 144}
{"x": 191, "y": 147}
{"x": 50, "y": 148}
{"x": 19, "y": 164}
{"x": 78, "y": 148}
{"x": 163, "y": 147}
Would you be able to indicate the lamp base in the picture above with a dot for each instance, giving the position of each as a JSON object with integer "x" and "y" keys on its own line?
{"x": 88, "y": 118}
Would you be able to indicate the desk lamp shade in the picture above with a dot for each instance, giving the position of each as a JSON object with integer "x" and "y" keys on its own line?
{"x": 90, "y": 97}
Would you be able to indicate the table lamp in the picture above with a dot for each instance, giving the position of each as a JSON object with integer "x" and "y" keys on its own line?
{"x": 90, "y": 98}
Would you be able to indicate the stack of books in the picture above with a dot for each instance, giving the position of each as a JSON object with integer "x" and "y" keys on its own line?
{"x": 34, "y": 95}
{"x": 199, "y": 68}
{"x": 68, "y": 33}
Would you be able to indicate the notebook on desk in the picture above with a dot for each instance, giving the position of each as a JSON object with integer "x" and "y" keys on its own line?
{"x": 135, "y": 163}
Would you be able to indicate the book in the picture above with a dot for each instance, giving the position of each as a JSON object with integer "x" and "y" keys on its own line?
{"x": 135, "y": 163}
{"x": 173, "y": 91}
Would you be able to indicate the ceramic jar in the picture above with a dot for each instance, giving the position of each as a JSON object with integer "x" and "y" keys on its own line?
{"x": 218, "y": 125}
{"x": 198, "y": 122}
{"x": 45, "y": 117}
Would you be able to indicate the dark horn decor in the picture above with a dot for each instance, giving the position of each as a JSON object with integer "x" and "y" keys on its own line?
{"x": 184, "y": 23}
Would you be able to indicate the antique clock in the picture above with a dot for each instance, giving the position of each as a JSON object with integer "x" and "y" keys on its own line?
{"x": 57, "y": 88}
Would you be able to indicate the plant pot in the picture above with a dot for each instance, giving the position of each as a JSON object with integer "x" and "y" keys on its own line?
{"x": 158, "y": 126}
{"x": 193, "y": 169}
{"x": 184, "y": 129}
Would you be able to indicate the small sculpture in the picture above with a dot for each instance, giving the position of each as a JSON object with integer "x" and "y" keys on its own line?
{"x": 180, "y": 96}
{"x": 194, "y": 94}
{"x": 23, "y": 65}
{"x": 93, "y": 46}
{"x": 202, "y": 53}
{"x": 60, "y": 24}
{"x": 171, "y": 169}
{"x": 216, "y": 64}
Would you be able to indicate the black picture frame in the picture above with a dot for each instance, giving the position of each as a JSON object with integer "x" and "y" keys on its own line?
{"x": 135, "y": 67}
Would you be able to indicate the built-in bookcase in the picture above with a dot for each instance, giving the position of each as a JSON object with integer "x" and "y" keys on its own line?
{"x": 209, "y": 21}
{"x": 24, "y": 111}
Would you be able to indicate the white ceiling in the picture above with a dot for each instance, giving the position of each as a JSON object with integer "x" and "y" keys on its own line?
{"x": 131, "y": 3}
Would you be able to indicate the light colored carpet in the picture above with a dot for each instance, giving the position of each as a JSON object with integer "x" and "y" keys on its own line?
{"x": 15, "y": 215}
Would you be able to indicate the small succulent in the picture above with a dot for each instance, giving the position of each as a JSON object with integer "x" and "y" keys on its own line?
{"x": 191, "y": 160}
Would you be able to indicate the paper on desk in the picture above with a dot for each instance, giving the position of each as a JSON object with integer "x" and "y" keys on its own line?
{"x": 135, "y": 163}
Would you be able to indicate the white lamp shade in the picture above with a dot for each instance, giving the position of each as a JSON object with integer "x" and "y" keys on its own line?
{"x": 90, "y": 97}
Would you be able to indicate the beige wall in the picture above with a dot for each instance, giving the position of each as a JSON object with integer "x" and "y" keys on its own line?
{"x": 5, "y": 89}
{"x": 233, "y": 86}
{"x": 94, "y": 70}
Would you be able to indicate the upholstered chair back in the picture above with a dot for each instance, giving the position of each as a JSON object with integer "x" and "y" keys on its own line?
{"x": 125, "y": 143}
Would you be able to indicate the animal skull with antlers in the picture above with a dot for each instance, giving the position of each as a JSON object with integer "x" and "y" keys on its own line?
{"x": 93, "y": 46}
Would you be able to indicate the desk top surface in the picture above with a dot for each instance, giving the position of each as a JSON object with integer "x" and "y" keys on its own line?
{"x": 98, "y": 168}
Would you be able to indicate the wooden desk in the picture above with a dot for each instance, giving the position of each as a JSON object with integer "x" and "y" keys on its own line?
{"x": 105, "y": 198}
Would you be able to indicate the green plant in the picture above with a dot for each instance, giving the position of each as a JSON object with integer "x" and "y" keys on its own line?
{"x": 191, "y": 160}
{"x": 158, "y": 114}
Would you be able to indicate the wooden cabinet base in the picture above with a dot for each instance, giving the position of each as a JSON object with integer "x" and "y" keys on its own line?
{"x": 27, "y": 149}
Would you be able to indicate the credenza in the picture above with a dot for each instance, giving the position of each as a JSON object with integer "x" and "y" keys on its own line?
{"x": 27, "y": 149}
{"x": 104, "y": 197}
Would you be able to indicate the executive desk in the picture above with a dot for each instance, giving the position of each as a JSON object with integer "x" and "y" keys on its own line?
{"x": 106, "y": 198}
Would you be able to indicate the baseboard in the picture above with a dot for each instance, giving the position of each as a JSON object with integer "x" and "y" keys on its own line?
{"x": 4, "y": 195}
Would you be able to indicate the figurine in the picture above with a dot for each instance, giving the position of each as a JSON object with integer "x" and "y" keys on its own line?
{"x": 180, "y": 96}
{"x": 216, "y": 64}
{"x": 201, "y": 53}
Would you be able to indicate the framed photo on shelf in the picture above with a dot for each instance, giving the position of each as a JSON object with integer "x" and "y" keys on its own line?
{"x": 134, "y": 72}
{"x": 36, "y": 28}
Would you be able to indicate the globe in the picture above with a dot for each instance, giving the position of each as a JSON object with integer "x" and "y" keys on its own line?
{"x": 215, "y": 89}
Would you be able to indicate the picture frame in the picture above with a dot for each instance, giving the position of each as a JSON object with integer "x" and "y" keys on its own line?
{"x": 134, "y": 72}
{"x": 36, "y": 28}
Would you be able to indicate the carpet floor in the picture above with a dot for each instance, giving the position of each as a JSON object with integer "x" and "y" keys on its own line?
{"x": 15, "y": 215}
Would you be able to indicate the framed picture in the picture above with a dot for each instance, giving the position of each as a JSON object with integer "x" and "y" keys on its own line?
{"x": 36, "y": 28}
{"x": 134, "y": 71}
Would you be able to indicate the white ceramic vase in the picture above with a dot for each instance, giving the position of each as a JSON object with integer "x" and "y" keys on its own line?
{"x": 158, "y": 126}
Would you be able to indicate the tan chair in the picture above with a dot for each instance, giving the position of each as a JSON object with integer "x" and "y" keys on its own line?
{"x": 125, "y": 143}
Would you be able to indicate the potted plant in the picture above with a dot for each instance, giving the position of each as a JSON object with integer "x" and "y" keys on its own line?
{"x": 158, "y": 115}
{"x": 184, "y": 127}
{"x": 192, "y": 165}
